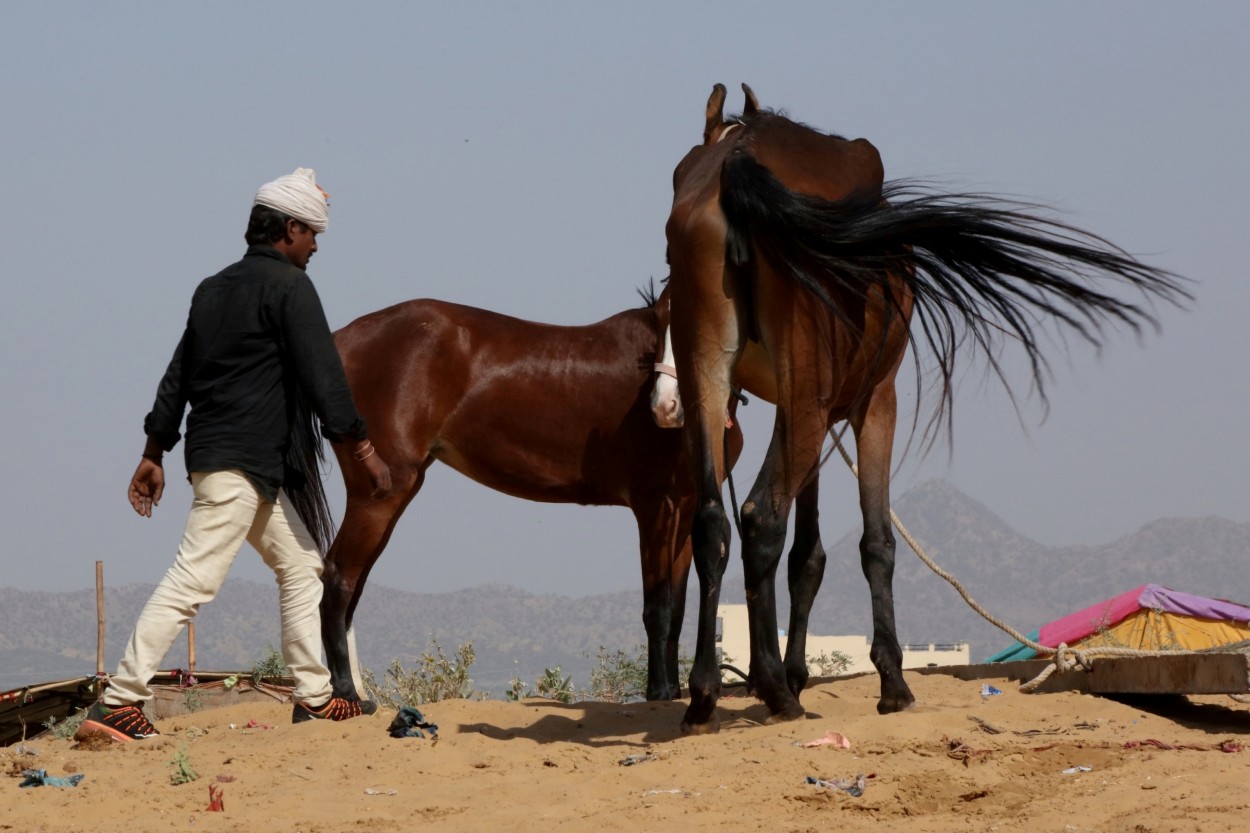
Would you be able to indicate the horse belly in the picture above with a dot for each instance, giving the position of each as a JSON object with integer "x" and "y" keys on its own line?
{"x": 541, "y": 460}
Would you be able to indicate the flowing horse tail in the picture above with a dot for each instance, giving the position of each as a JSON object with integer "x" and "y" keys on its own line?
{"x": 976, "y": 266}
{"x": 305, "y": 488}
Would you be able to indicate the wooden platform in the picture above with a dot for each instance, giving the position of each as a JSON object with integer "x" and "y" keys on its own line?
{"x": 24, "y": 711}
{"x": 1206, "y": 673}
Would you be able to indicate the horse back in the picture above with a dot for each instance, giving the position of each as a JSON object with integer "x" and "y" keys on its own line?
{"x": 810, "y": 162}
{"x": 539, "y": 411}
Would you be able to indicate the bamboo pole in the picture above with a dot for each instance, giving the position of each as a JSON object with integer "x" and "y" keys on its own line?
{"x": 99, "y": 612}
{"x": 191, "y": 648}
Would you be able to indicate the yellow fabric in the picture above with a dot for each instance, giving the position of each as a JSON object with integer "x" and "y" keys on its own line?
{"x": 1152, "y": 630}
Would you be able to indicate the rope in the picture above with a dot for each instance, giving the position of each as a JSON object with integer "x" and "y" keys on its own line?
{"x": 1065, "y": 658}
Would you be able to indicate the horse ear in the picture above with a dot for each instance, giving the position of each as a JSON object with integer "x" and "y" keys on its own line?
{"x": 715, "y": 112}
{"x": 752, "y": 106}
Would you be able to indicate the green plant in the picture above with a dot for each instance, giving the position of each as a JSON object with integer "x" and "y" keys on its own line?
{"x": 829, "y": 664}
{"x": 436, "y": 677}
{"x": 553, "y": 686}
{"x": 516, "y": 690}
{"x": 619, "y": 677}
{"x": 193, "y": 699}
{"x": 65, "y": 729}
{"x": 270, "y": 667}
{"x": 182, "y": 772}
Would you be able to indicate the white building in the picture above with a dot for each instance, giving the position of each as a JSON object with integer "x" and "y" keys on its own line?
{"x": 734, "y": 640}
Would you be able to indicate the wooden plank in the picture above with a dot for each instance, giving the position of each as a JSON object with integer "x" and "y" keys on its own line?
{"x": 1181, "y": 674}
{"x": 1174, "y": 674}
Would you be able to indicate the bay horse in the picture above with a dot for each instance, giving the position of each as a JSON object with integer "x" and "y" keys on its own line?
{"x": 537, "y": 411}
{"x": 795, "y": 268}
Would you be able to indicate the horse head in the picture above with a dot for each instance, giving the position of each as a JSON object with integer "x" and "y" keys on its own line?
{"x": 715, "y": 127}
{"x": 665, "y": 395}
{"x": 715, "y": 131}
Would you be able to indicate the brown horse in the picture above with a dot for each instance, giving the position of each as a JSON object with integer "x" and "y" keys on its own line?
{"x": 541, "y": 412}
{"x": 796, "y": 269}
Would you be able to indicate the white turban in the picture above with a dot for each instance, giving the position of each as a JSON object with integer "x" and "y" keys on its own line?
{"x": 297, "y": 195}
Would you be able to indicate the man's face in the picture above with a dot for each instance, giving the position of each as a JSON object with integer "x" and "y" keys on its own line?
{"x": 301, "y": 242}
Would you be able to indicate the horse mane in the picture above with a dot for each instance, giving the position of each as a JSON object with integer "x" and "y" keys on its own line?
{"x": 765, "y": 113}
{"x": 648, "y": 294}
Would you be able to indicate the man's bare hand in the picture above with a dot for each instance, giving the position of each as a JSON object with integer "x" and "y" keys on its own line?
{"x": 148, "y": 484}
{"x": 379, "y": 475}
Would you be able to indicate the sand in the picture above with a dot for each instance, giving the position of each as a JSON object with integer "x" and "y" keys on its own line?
{"x": 542, "y": 765}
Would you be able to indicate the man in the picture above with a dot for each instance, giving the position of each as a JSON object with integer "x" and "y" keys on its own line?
{"x": 256, "y": 342}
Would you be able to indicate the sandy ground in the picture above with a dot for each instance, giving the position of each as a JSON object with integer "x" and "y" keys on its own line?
{"x": 540, "y": 765}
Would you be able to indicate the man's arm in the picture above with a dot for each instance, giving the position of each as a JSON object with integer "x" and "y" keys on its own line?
{"x": 161, "y": 425}
{"x": 319, "y": 368}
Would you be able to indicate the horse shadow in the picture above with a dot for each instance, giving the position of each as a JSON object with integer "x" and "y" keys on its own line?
{"x": 605, "y": 725}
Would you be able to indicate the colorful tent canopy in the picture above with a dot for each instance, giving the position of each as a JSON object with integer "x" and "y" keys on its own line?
{"x": 1151, "y": 617}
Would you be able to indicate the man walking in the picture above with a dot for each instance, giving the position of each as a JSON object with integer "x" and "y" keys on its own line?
{"x": 256, "y": 341}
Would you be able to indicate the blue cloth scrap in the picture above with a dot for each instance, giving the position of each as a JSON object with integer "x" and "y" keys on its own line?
{"x": 409, "y": 722}
{"x": 41, "y": 778}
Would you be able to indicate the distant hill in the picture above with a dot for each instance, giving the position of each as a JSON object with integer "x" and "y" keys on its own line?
{"x": 47, "y": 635}
{"x": 1019, "y": 580}
{"x": 44, "y": 636}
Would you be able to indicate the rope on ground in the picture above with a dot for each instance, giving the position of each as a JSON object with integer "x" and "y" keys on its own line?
{"x": 1065, "y": 658}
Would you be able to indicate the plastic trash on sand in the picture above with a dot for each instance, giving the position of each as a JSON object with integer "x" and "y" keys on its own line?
{"x": 409, "y": 722}
{"x": 850, "y": 786}
{"x": 41, "y": 778}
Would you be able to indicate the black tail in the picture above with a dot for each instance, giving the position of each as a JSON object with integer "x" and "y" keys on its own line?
{"x": 977, "y": 266}
{"x": 304, "y": 485}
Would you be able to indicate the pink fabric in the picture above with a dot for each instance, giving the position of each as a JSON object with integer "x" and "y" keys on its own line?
{"x": 1077, "y": 626}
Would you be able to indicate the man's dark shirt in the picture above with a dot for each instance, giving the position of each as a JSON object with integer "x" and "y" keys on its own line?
{"x": 256, "y": 334}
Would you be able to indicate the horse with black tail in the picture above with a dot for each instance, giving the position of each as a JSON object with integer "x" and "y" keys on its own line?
{"x": 795, "y": 265}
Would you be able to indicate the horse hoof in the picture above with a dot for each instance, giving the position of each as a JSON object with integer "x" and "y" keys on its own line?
{"x": 711, "y": 727}
{"x": 795, "y": 712}
{"x": 893, "y": 705}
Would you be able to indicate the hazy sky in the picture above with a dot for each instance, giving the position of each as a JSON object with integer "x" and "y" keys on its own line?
{"x": 518, "y": 156}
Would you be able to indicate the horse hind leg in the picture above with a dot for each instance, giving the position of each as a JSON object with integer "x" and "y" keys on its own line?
{"x": 664, "y": 538}
{"x": 805, "y": 570}
{"x": 874, "y": 439}
{"x": 366, "y": 528}
{"x": 764, "y": 519}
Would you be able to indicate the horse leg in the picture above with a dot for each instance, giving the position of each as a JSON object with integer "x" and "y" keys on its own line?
{"x": 765, "y": 515}
{"x": 664, "y": 538}
{"x": 367, "y": 526}
{"x": 874, "y": 440}
{"x": 805, "y": 569}
{"x": 709, "y": 537}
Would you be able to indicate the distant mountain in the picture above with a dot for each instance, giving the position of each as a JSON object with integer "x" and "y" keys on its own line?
{"x": 44, "y": 636}
{"x": 48, "y": 635}
{"x": 1020, "y": 581}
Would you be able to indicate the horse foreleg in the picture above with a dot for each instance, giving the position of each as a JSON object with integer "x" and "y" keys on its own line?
{"x": 805, "y": 569}
{"x": 710, "y": 540}
{"x": 664, "y": 537}
{"x": 874, "y": 440}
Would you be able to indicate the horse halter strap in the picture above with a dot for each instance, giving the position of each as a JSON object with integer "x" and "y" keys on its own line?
{"x": 728, "y": 130}
{"x": 666, "y": 369}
